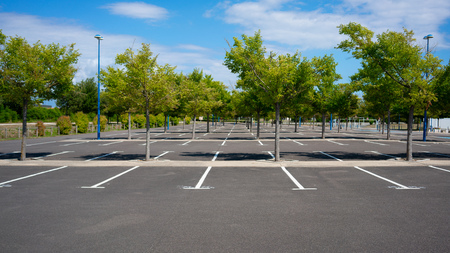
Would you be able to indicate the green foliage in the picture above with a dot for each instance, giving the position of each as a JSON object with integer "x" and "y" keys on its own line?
{"x": 175, "y": 120}
{"x": 82, "y": 121}
{"x": 123, "y": 118}
{"x": 103, "y": 122}
{"x": 160, "y": 118}
{"x": 152, "y": 120}
{"x": 64, "y": 124}
{"x": 139, "y": 120}
{"x": 41, "y": 113}
{"x": 41, "y": 128}
{"x": 8, "y": 115}
{"x": 82, "y": 97}
{"x": 187, "y": 120}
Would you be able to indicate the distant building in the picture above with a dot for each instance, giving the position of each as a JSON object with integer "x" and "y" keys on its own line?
{"x": 440, "y": 123}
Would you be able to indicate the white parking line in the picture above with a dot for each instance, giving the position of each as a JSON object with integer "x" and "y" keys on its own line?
{"x": 15, "y": 152}
{"x": 3, "y": 184}
{"x": 34, "y": 144}
{"x": 415, "y": 144}
{"x": 378, "y": 153}
{"x": 60, "y": 153}
{"x": 431, "y": 166}
{"x": 215, "y": 157}
{"x": 202, "y": 179}
{"x": 270, "y": 153}
{"x": 97, "y": 186}
{"x": 186, "y": 143}
{"x": 103, "y": 156}
{"x": 338, "y": 143}
{"x": 181, "y": 134}
{"x": 261, "y": 143}
{"x": 76, "y": 143}
{"x": 162, "y": 154}
{"x": 223, "y": 143}
{"x": 428, "y": 152}
{"x": 299, "y": 186}
{"x": 111, "y": 143}
{"x": 400, "y": 186}
{"x": 329, "y": 156}
{"x": 382, "y": 144}
{"x": 148, "y": 143}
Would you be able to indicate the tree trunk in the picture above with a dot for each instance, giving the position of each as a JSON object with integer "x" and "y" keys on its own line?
{"x": 409, "y": 156}
{"x": 295, "y": 129}
{"x": 388, "y": 137}
{"x": 277, "y": 131}
{"x": 147, "y": 132}
{"x": 23, "y": 149}
{"x": 129, "y": 125}
{"x": 339, "y": 124}
{"x": 382, "y": 124}
{"x": 207, "y": 122}
{"x": 165, "y": 124}
{"x": 323, "y": 125}
{"x": 193, "y": 128}
{"x": 257, "y": 129}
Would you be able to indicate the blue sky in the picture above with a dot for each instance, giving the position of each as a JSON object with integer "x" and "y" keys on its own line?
{"x": 193, "y": 34}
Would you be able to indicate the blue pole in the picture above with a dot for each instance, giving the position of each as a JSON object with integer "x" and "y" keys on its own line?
{"x": 98, "y": 91}
{"x": 168, "y": 121}
{"x": 331, "y": 121}
{"x": 299, "y": 121}
{"x": 212, "y": 123}
{"x": 425, "y": 114}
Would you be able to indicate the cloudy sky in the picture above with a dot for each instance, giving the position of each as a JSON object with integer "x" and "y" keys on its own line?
{"x": 193, "y": 34}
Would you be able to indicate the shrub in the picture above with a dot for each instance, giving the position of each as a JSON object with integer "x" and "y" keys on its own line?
{"x": 41, "y": 128}
{"x": 139, "y": 120}
{"x": 160, "y": 120}
{"x": 7, "y": 115}
{"x": 82, "y": 121}
{"x": 103, "y": 122}
{"x": 175, "y": 120}
{"x": 64, "y": 124}
{"x": 152, "y": 120}
{"x": 188, "y": 120}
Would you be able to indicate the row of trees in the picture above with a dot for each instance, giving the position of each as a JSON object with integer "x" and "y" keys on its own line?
{"x": 391, "y": 77}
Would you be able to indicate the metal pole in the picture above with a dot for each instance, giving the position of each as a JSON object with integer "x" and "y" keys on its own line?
{"x": 331, "y": 121}
{"x": 425, "y": 114}
{"x": 98, "y": 91}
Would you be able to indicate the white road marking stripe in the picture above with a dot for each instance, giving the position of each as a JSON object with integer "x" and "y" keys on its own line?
{"x": 60, "y": 153}
{"x": 40, "y": 173}
{"x": 15, "y": 152}
{"x": 431, "y": 166}
{"x": 338, "y": 143}
{"x": 107, "y": 144}
{"x": 385, "y": 179}
{"x": 202, "y": 179}
{"x": 148, "y": 143}
{"x": 382, "y": 144}
{"x": 215, "y": 157}
{"x": 434, "y": 153}
{"x": 330, "y": 156}
{"x": 300, "y": 187}
{"x": 186, "y": 143}
{"x": 270, "y": 153}
{"x": 261, "y": 143}
{"x": 415, "y": 144}
{"x": 109, "y": 179}
{"x": 378, "y": 153}
{"x": 162, "y": 154}
{"x": 103, "y": 156}
{"x": 34, "y": 144}
{"x": 76, "y": 143}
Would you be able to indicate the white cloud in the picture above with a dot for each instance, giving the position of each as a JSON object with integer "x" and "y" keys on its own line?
{"x": 317, "y": 29}
{"x": 138, "y": 10}
{"x": 33, "y": 28}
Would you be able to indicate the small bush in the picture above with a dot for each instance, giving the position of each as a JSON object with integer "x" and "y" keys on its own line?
{"x": 41, "y": 128}
{"x": 7, "y": 115}
{"x": 160, "y": 118}
{"x": 188, "y": 120}
{"x": 103, "y": 122}
{"x": 139, "y": 120}
{"x": 82, "y": 121}
{"x": 152, "y": 120}
{"x": 175, "y": 120}
{"x": 64, "y": 124}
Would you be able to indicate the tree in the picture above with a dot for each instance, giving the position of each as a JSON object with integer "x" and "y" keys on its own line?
{"x": 153, "y": 82}
{"x": 279, "y": 78}
{"x": 81, "y": 97}
{"x": 324, "y": 77}
{"x": 344, "y": 102}
{"x": 396, "y": 55}
{"x": 32, "y": 73}
{"x": 441, "y": 87}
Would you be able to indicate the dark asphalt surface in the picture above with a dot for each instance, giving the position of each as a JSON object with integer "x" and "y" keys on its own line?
{"x": 160, "y": 208}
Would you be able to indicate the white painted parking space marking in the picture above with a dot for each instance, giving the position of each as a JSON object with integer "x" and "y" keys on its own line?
{"x": 144, "y": 144}
{"x": 15, "y": 152}
{"x": 299, "y": 186}
{"x": 165, "y": 152}
{"x": 182, "y": 134}
{"x": 76, "y": 143}
{"x": 205, "y": 134}
{"x": 215, "y": 157}
{"x": 431, "y": 166}
{"x": 399, "y": 186}
{"x": 186, "y": 143}
{"x": 4, "y": 184}
{"x": 111, "y": 143}
{"x": 41, "y": 143}
{"x": 270, "y": 153}
{"x": 329, "y": 156}
{"x": 338, "y": 143}
{"x": 200, "y": 182}
{"x": 422, "y": 145}
{"x": 60, "y": 153}
{"x": 372, "y": 142}
{"x": 97, "y": 186}
{"x": 95, "y": 158}
{"x": 428, "y": 152}
{"x": 261, "y": 143}
{"x": 223, "y": 143}
{"x": 158, "y": 134}
{"x": 378, "y": 153}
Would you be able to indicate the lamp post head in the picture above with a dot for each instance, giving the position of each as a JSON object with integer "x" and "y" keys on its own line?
{"x": 98, "y": 36}
{"x": 429, "y": 36}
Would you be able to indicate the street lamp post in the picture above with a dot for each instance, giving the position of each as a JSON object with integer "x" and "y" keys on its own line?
{"x": 425, "y": 120}
{"x": 99, "y": 38}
